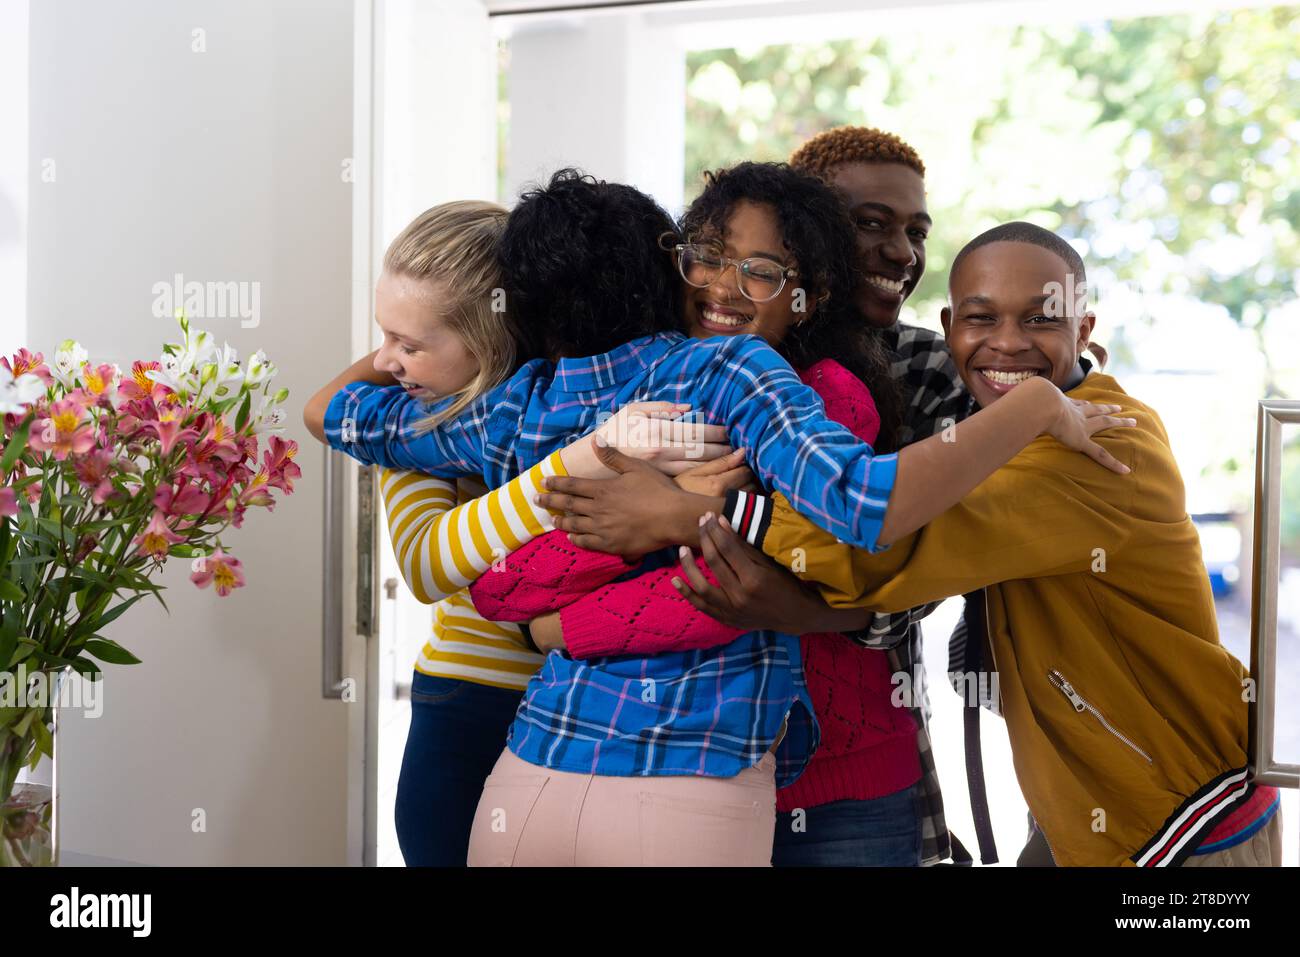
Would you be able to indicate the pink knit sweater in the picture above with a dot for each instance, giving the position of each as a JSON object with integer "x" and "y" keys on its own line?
{"x": 868, "y": 747}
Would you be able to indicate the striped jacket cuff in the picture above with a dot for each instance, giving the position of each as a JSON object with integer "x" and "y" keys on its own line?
{"x": 749, "y": 514}
{"x": 1192, "y": 820}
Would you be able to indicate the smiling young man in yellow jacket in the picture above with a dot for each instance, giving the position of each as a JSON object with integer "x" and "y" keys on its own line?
{"x": 1126, "y": 715}
{"x": 1127, "y": 718}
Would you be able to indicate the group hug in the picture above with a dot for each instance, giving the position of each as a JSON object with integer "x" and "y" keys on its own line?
{"x": 683, "y": 491}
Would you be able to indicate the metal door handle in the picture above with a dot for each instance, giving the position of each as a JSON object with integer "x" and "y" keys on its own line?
{"x": 332, "y": 568}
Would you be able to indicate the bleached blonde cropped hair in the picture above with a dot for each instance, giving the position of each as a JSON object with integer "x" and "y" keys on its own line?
{"x": 455, "y": 244}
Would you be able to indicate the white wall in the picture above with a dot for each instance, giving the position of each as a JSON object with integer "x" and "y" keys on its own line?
{"x": 603, "y": 93}
{"x": 13, "y": 175}
{"x": 223, "y": 165}
{"x": 438, "y": 87}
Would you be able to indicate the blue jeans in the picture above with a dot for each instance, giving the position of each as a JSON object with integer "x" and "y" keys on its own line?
{"x": 458, "y": 729}
{"x": 882, "y": 832}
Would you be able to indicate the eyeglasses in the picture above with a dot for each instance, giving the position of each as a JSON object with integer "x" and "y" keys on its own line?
{"x": 760, "y": 279}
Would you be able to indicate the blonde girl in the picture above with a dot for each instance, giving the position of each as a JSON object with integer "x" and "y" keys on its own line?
{"x": 449, "y": 337}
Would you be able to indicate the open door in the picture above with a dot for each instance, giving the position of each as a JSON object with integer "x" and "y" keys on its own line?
{"x": 432, "y": 123}
{"x": 207, "y": 142}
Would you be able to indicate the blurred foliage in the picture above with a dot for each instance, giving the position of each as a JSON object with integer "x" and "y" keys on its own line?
{"x": 1166, "y": 148}
{"x": 503, "y": 118}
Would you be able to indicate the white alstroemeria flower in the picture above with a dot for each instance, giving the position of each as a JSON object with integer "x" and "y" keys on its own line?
{"x": 221, "y": 375}
{"x": 260, "y": 369}
{"x": 269, "y": 417}
{"x": 199, "y": 348}
{"x": 174, "y": 375}
{"x": 182, "y": 369}
{"x": 67, "y": 363}
{"x": 205, "y": 345}
{"x": 16, "y": 395}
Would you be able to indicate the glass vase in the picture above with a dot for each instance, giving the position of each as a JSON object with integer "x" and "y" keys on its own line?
{"x": 29, "y": 831}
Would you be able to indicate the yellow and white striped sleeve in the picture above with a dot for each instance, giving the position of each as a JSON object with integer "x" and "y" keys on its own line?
{"x": 442, "y": 547}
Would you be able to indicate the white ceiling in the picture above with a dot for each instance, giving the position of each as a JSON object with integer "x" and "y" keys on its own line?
{"x": 499, "y": 8}
{"x": 699, "y": 23}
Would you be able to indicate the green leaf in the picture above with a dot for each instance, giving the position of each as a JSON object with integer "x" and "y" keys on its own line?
{"x": 86, "y": 667}
{"x": 109, "y": 651}
{"x": 242, "y": 418}
{"x": 43, "y": 558}
{"x": 44, "y": 742}
{"x": 10, "y": 628}
{"x": 46, "y": 659}
{"x": 20, "y": 727}
{"x": 90, "y": 575}
{"x": 107, "y": 523}
{"x": 17, "y": 445}
{"x": 11, "y": 592}
{"x": 114, "y": 613}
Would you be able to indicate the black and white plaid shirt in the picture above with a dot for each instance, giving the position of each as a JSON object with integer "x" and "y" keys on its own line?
{"x": 936, "y": 400}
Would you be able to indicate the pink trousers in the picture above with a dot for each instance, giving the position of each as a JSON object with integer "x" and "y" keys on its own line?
{"x": 530, "y": 816}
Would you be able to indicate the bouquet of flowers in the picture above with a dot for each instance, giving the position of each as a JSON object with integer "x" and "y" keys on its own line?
{"x": 104, "y": 475}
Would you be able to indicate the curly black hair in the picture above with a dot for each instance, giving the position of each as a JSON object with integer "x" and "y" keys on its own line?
{"x": 584, "y": 268}
{"x": 819, "y": 233}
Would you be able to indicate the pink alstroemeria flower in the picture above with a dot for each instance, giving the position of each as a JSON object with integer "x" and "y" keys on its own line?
{"x": 85, "y": 546}
{"x": 169, "y": 427}
{"x": 138, "y": 385}
{"x": 220, "y": 570}
{"x": 65, "y": 431}
{"x": 101, "y": 382}
{"x": 81, "y": 397}
{"x": 24, "y": 361}
{"x": 157, "y": 538}
{"x": 240, "y": 470}
{"x": 187, "y": 500}
{"x": 211, "y": 457}
{"x": 94, "y": 470}
{"x": 8, "y": 502}
{"x": 280, "y": 467}
{"x": 257, "y": 491}
{"x": 217, "y": 433}
{"x": 236, "y": 511}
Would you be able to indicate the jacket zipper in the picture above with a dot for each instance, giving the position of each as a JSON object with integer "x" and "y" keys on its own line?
{"x": 1058, "y": 681}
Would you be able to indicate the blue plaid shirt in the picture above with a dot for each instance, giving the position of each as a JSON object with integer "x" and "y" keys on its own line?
{"x": 711, "y": 711}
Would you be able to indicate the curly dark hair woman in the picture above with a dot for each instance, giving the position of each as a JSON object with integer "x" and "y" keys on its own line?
{"x": 585, "y": 271}
{"x": 817, "y": 233}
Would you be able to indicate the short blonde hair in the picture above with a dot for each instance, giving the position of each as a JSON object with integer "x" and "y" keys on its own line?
{"x": 455, "y": 244}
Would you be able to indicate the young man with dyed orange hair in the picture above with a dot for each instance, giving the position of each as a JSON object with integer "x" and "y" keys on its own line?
{"x": 882, "y": 180}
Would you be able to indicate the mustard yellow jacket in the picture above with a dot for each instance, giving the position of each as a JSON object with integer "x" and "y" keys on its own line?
{"x": 1127, "y": 718}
